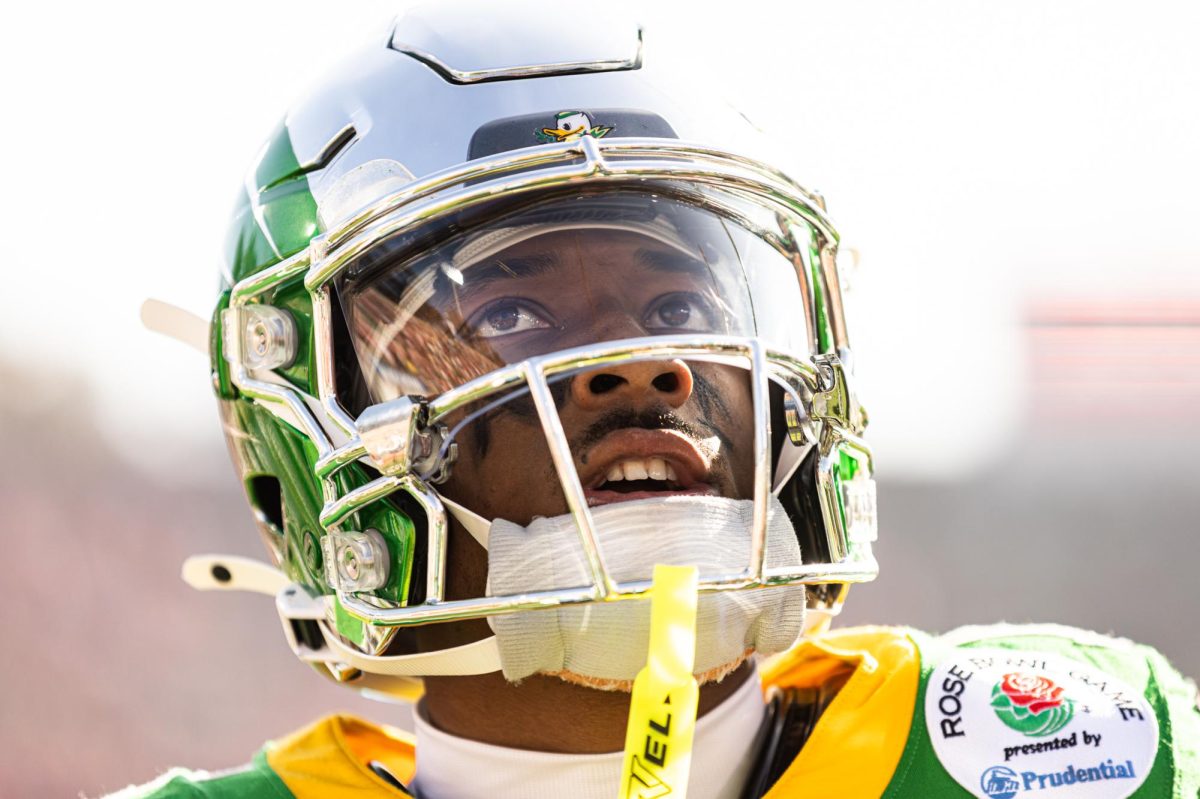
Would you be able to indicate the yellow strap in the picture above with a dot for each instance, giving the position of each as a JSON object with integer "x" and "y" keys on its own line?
{"x": 662, "y": 710}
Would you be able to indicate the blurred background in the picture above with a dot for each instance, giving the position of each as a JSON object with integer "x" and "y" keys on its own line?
{"x": 1020, "y": 180}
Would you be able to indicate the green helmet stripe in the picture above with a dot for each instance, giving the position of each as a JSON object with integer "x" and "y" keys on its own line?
{"x": 276, "y": 214}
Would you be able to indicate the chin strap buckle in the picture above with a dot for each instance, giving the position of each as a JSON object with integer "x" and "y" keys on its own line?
{"x": 355, "y": 561}
{"x": 259, "y": 337}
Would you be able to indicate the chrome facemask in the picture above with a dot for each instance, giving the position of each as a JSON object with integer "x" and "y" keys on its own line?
{"x": 404, "y": 438}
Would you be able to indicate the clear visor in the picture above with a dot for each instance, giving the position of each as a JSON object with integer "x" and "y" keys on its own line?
{"x": 464, "y": 296}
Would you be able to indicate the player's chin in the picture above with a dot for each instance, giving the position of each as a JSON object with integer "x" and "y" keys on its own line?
{"x": 713, "y": 675}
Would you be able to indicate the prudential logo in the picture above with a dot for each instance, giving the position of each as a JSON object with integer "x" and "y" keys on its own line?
{"x": 1000, "y": 782}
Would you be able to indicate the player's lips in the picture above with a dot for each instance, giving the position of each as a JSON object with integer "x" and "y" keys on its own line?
{"x": 639, "y": 464}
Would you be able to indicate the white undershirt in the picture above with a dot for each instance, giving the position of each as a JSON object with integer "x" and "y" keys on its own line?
{"x": 449, "y": 767}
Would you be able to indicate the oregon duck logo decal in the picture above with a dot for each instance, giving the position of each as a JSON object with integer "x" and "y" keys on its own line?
{"x": 570, "y": 125}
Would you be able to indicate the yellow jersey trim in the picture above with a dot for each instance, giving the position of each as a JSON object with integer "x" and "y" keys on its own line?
{"x": 329, "y": 759}
{"x": 853, "y": 750}
{"x": 856, "y": 745}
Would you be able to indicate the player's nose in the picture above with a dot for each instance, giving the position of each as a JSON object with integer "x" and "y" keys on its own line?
{"x": 638, "y": 383}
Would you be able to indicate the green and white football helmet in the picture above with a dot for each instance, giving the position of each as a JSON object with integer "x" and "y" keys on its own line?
{"x": 347, "y": 368}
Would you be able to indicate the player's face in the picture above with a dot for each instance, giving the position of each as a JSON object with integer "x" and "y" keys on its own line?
{"x": 638, "y": 430}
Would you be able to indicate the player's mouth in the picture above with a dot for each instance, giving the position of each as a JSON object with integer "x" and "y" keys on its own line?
{"x": 640, "y": 464}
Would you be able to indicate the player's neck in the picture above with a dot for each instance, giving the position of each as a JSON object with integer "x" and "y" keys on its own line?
{"x": 544, "y": 713}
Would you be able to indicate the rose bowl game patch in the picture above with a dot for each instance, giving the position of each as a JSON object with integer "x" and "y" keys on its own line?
{"x": 1007, "y": 723}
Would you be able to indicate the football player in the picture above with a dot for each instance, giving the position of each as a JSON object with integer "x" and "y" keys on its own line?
{"x": 513, "y": 314}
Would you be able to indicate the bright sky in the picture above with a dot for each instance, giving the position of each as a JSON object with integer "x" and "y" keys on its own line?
{"x": 977, "y": 153}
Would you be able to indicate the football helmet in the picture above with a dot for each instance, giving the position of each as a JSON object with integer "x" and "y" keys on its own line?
{"x": 351, "y": 349}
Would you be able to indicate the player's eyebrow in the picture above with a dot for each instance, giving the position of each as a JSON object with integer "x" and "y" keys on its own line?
{"x": 501, "y": 269}
{"x": 671, "y": 261}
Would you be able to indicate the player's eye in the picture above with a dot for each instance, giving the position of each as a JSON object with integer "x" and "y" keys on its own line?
{"x": 680, "y": 311}
{"x": 506, "y": 317}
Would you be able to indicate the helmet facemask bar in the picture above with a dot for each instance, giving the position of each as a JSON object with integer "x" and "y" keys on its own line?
{"x": 819, "y": 389}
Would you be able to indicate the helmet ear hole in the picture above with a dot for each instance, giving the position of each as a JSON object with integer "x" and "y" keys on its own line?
{"x": 266, "y": 501}
{"x": 266, "y": 497}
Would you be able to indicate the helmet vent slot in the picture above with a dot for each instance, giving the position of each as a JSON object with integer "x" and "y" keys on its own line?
{"x": 541, "y": 42}
{"x": 334, "y": 146}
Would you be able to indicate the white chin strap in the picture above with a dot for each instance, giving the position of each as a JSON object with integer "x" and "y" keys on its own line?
{"x": 471, "y": 521}
{"x": 175, "y": 322}
{"x": 391, "y": 674}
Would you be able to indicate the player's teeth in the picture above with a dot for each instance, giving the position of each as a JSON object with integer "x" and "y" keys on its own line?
{"x": 657, "y": 468}
{"x": 635, "y": 470}
{"x": 644, "y": 469}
